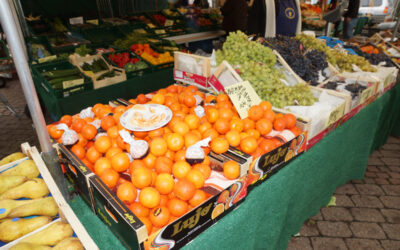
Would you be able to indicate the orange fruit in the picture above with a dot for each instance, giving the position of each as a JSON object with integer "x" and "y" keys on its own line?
{"x": 225, "y": 113}
{"x": 265, "y": 105}
{"x": 120, "y": 162}
{"x": 233, "y": 138}
{"x": 237, "y": 124}
{"x": 193, "y": 121}
{"x": 266, "y": 145}
{"x": 231, "y": 170}
{"x": 141, "y": 177}
{"x": 79, "y": 151}
{"x": 255, "y": 113}
{"x": 140, "y": 134}
{"x": 158, "y": 98}
{"x": 92, "y": 154}
{"x": 163, "y": 165}
{"x": 248, "y": 124}
{"x": 195, "y": 177}
{"x": 163, "y": 200}
{"x": 175, "y": 142}
{"x": 177, "y": 207}
{"x": 102, "y": 144}
{"x": 97, "y": 108}
{"x": 170, "y": 154}
{"x": 138, "y": 209}
{"x": 149, "y": 197}
{"x": 126, "y": 192}
{"x": 296, "y": 131}
{"x": 141, "y": 99}
{"x": 136, "y": 164}
{"x": 147, "y": 223}
{"x": 278, "y": 115}
{"x": 101, "y": 165}
{"x": 253, "y": 133}
{"x": 164, "y": 183}
{"x": 184, "y": 189}
{"x": 107, "y": 122}
{"x": 156, "y": 133}
{"x": 82, "y": 141}
{"x": 280, "y": 124}
{"x": 67, "y": 119}
{"x": 112, "y": 151}
{"x": 180, "y": 169}
{"x": 222, "y": 98}
{"x": 54, "y": 132}
{"x": 88, "y": 164}
{"x": 120, "y": 109}
{"x": 113, "y": 132}
{"x": 204, "y": 127}
{"x": 248, "y": 145}
{"x": 219, "y": 145}
{"x": 212, "y": 133}
{"x": 149, "y": 160}
{"x": 212, "y": 115}
{"x": 225, "y": 104}
{"x": 89, "y": 131}
{"x": 109, "y": 177}
{"x": 158, "y": 146}
{"x": 189, "y": 101}
{"x": 181, "y": 128}
{"x": 290, "y": 120}
{"x": 270, "y": 115}
{"x": 222, "y": 126}
{"x": 210, "y": 98}
{"x": 191, "y": 138}
{"x": 159, "y": 216}
{"x": 180, "y": 155}
{"x": 175, "y": 107}
{"x": 78, "y": 124}
{"x": 204, "y": 169}
{"x": 172, "y": 89}
{"x": 264, "y": 126}
{"x": 198, "y": 198}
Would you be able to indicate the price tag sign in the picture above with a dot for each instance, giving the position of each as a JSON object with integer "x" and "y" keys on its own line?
{"x": 159, "y": 31}
{"x": 93, "y": 21}
{"x": 76, "y": 20}
{"x": 72, "y": 83}
{"x": 367, "y": 93}
{"x": 169, "y": 22}
{"x": 336, "y": 114}
{"x": 243, "y": 96}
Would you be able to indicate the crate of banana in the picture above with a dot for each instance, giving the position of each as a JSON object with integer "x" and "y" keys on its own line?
{"x": 33, "y": 214}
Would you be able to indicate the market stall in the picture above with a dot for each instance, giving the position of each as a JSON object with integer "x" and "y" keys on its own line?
{"x": 245, "y": 140}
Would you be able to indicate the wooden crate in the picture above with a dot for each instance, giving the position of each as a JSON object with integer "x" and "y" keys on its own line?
{"x": 120, "y": 73}
{"x": 218, "y": 83}
{"x": 66, "y": 213}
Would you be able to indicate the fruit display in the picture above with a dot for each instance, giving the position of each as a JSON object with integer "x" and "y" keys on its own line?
{"x": 127, "y": 61}
{"x": 256, "y": 63}
{"x": 160, "y": 19}
{"x": 151, "y": 56}
{"x": 343, "y": 61}
{"x": 161, "y": 180}
{"x": 374, "y": 58}
{"x": 354, "y": 88}
{"x": 307, "y": 64}
{"x": 170, "y": 13}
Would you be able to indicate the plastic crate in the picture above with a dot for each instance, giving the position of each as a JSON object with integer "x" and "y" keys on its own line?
{"x": 74, "y": 41}
{"x": 102, "y": 35}
{"x": 41, "y": 82}
{"x": 130, "y": 74}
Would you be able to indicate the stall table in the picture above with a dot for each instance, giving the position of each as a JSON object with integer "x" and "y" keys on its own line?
{"x": 276, "y": 209}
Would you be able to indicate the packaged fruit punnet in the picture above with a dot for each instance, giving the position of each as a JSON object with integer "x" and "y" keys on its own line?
{"x": 32, "y": 221}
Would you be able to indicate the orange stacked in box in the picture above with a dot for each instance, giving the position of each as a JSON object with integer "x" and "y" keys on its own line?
{"x": 163, "y": 186}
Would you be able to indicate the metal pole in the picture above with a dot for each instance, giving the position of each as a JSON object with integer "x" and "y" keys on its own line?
{"x": 21, "y": 63}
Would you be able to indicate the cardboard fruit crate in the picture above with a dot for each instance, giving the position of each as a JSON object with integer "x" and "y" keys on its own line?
{"x": 69, "y": 87}
{"x": 199, "y": 72}
{"x": 119, "y": 77}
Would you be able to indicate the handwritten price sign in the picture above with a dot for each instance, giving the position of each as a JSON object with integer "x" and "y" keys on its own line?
{"x": 243, "y": 96}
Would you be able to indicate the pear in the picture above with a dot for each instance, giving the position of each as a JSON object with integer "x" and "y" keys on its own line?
{"x": 26, "y": 168}
{"x": 12, "y": 229}
{"x": 12, "y": 157}
{"x": 7, "y": 182}
{"x": 29, "y": 246}
{"x": 6, "y": 206}
{"x": 32, "y": 188}
{"x": 69, "y": 244}
{"x": 51, "y": 235}
{"x": 44, "y": 206}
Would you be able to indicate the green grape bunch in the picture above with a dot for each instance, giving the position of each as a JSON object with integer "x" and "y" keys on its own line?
{"x": 256, "y": 64}
{"x": 343, "y": 61}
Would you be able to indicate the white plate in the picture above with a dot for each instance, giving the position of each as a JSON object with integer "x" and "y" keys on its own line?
{"x": 146, "y": 117}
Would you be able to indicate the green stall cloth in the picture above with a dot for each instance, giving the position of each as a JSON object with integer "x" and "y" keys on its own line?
{"x": 276, "y": 209}
{"x": 128, "y": 89}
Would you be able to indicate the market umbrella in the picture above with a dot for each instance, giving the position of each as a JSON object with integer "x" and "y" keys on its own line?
{"x": 17, "y": 48}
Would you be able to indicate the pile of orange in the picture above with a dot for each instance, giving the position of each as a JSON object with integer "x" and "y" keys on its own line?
{"x": 163, "y": 186}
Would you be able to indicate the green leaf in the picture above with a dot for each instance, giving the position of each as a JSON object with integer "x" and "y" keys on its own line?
{"x": 332, "y": 202}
